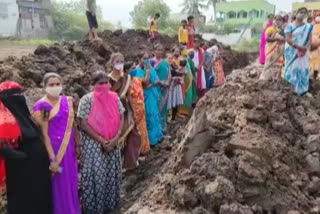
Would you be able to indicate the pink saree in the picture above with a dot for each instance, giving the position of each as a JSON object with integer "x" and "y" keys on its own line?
{"x": 263, "y": 43}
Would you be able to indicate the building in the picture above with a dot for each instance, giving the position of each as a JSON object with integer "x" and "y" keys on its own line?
{"x": 243, "y": 12}
{"x": 25, "y": 18}
{"x": 312, "y": 5}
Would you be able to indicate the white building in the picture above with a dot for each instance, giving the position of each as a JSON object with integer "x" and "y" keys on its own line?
{"x": 9, "y": 17}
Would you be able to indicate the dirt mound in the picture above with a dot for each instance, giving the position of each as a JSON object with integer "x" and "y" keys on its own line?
{"x": 76, "y": 61}
{"x": 251, "y": 147}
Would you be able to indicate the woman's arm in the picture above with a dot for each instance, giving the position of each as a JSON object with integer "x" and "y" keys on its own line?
{"x": 291, "y": 43}
{"x": 146, "y": 80}
{"x": 113, "y": 142}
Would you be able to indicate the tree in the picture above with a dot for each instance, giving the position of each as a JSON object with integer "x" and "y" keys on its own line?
{"x": 70, "y": 22}
{"x": 148, "y": 8}
{"x": 213, "y": 3}
{"x": 193, "y": 7}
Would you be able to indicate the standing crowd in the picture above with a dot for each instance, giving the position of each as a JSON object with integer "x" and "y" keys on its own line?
{"x": 108, "y": 130}
{"x": 290, "y": 49}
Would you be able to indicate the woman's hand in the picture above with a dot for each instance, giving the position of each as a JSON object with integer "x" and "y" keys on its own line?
{"x": 54, "y": 167}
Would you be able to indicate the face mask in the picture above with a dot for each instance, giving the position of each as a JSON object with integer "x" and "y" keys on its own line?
{"x": 54, "y": 91}
{"x": 118, "y": 66}
{"x": 301, "y": 16}
{"x": 318, "y": 19}
{"x": 191, "y": 56}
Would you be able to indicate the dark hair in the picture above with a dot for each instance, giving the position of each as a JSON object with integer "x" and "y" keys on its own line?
{"x": 157, "y": 15}
{"x": 183, "y": 63}
{"x": 174, "y": 49}
{"x": 184, "y": 21}
{"x": 98, "y": 76}
{"x": 310, "y": 18}
{"x": 158, "y": 46}
{"x": 190, "y": 18}
{"x": 278, "y": 16}
{"x": 140, "y": 55}
{"x": 302, "y": 8}
{"x": 196, "y": 41}
{"x": 127, "y": 66}
{"x": 293, "y": 18}
{"x": 49, "y": 76}
{"x": 270, "y": 15}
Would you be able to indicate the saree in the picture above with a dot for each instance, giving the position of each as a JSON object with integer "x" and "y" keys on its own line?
{"x": 297, "y": 68}
{"x": 219, "y": 77}
{"x": 130, "y": 138}
{"x": 197, "y": 60}
{"x": 263, "y": 43}
{"x": 162, "y": 68}
{"x": 194, "y": 83}
{"x": 151, "y": 100}
{"x": 137, "y": 101}
{"x": 61, "y": 134}
{"x": 315, "y": 54}
{"x": 274, "y": 55}
{"x": 188, "y": 98}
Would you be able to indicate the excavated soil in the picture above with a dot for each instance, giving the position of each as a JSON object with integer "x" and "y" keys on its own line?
{"x": 251, "y": 147}
{"x": 75, "y": 62}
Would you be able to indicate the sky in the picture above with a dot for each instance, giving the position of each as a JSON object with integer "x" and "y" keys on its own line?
{"x": 118, "y": 10}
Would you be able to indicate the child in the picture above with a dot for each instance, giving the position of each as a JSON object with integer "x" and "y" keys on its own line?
{"x": 154, "y": 27}
{"x": 183, "y": 33}
{"x": 175, "y": 92}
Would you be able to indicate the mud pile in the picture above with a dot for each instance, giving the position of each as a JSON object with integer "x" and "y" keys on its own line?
{"x": 251, "y": 147}
{"x": 75, "y": 62}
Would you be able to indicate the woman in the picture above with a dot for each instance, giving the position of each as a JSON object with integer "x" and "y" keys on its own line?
{"x": 194, "y": 77}
{"x": 26, "y": 159}
{"x": 267, "y": 24}
{"x": 130, "y": 137}
{"x": 208, "y": 69}
{"x": 315, "y": 53}
{"x": 188, "y": 80}
{"x": 138, "y": 107}
{"x": 219, "y": 77}
{"x": 151, "y": 97}
{"x": 274, "y": 51}
{"x": 55, "y": 116}
{"x": 162, "y": 68}
{"x": 101, "y": 120}
{"x": 297, "y": 66}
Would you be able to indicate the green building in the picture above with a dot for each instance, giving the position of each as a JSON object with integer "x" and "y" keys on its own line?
{"x": 239, "y": 13}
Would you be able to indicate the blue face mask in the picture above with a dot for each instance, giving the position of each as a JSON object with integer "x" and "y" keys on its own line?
{"x": 191, "y": 55}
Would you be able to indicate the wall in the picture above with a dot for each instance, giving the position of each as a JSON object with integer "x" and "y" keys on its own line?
{"x": 35, "y": 21}
{"x": 9, "y": 16}
{"x": 259, "y": 9}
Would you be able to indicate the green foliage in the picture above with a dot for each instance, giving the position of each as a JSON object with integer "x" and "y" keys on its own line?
{"x": 148, "y": 8}
{"x": 70, "y": 22}
{"x": 213, "y": 3}
{"x": 248, "y": 45}
{"x": 221, "y": 30}
{"x": 26, "y": 42}
{"x": 193, "y": 7}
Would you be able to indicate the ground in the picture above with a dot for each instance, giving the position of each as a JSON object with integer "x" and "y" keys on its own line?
{"x": 15, "y": 50}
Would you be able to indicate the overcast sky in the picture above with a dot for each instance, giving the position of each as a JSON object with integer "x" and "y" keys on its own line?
{"x": 118, "y": 10}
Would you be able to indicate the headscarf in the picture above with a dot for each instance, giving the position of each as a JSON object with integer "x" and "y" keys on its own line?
{"x": 104, "y": 116}
{"x": 185, "y": 53}
{"x": 9, "y": 128}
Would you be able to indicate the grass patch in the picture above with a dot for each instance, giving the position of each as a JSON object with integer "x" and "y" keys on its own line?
{"x": 27, "y": 42}
{"x": 248, "y": 45}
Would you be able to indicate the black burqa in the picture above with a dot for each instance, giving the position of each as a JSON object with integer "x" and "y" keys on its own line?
{"x": 27, "y": 168}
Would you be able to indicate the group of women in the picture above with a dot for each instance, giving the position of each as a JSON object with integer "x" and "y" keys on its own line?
{"x": 116, "y": 123}
{"x": 291, "y": 50}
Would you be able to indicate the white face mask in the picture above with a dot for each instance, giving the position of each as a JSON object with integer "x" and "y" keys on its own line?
{"x": 54, "y": 91}
{"x": 318, "y": 19}
{"x": 118, "y": 66}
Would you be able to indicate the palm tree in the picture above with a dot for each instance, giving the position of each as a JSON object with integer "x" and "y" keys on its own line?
{"x": 213, "y": 3}
{"x": 193, "y": 7}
